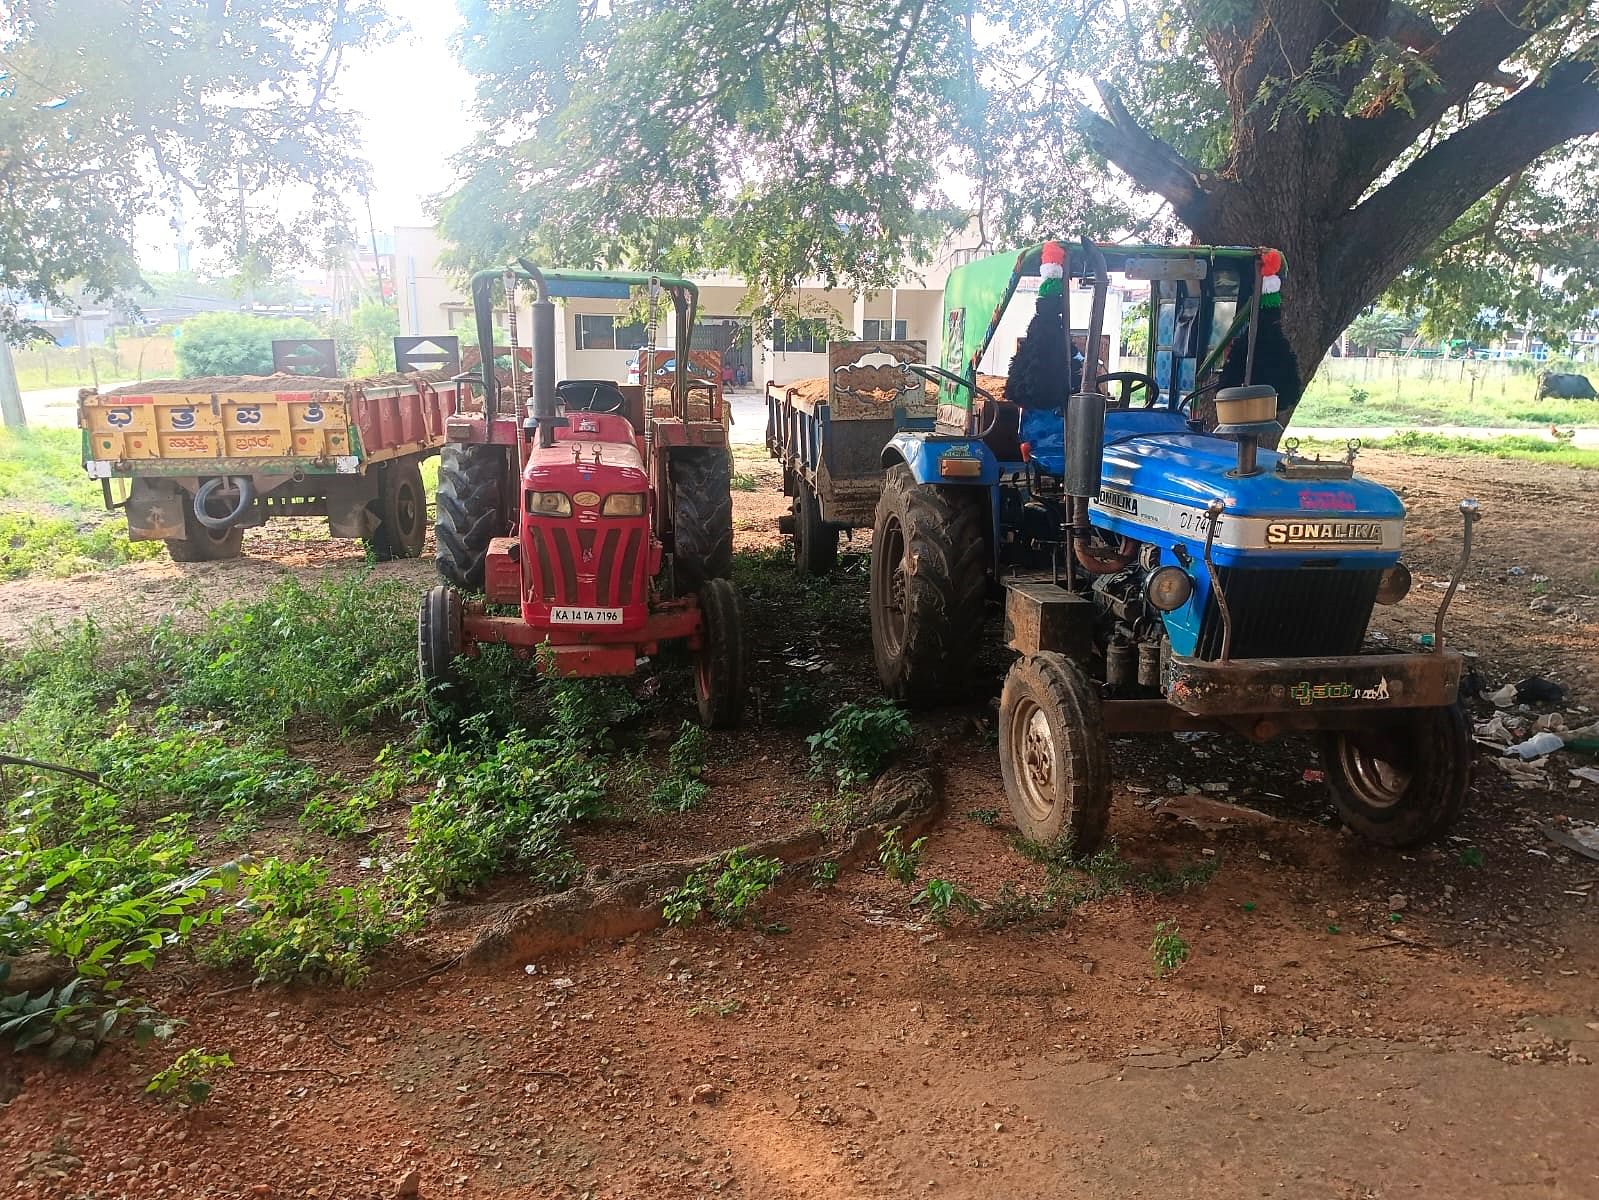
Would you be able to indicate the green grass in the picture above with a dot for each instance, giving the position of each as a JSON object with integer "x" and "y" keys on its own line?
{"x": 45, "y": 467}
{"x": 1496, "y": 400}
{"x": 1512, "y": 447}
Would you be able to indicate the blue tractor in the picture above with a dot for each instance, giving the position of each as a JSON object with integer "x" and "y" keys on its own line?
{"x": 1160, "y": 568}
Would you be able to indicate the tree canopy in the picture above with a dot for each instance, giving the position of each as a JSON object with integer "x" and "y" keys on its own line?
{"x": 113, "y": 111}
{"x": 840, "y": 139}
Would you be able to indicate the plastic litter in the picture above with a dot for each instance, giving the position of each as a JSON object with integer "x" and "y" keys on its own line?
{"x": 1580, "y": 839}
{"x": 1538, "y": 745}
{"x": 1504, "y": 697}
{"x": 1591, "y": 774}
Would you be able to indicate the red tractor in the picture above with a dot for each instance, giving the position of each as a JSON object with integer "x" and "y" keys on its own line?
{"x": 605, "y": 517}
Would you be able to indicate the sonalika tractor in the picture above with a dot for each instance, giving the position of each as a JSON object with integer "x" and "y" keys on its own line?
{"x": 604, "y": 517}
{"x": 1159, "y": 571}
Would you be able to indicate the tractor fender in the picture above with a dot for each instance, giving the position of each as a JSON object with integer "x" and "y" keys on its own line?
{"x": 924, "y": 454}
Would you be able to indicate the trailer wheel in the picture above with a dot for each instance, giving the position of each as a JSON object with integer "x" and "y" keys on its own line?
{"x": 719, "y": 686}
{"x": 438, "y": 639}
{"x": 200, "y": 544}
{"x": 1403, "y": 784}
{"x": 402, "y": 512}
{"x": 929, "y": 587}
{"x": 472, "y": 506}
{"x": 815, "y": 541}
{"x": 1053, "y": 755}
{"x": 702, "y": 516}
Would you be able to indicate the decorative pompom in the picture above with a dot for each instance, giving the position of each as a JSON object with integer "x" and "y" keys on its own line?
{"x": 1052, "y": 261}
{"x": 1270, "y": 285}
{"x": 1271, "y": 262}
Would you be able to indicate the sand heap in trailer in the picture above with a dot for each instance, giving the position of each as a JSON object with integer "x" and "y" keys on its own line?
{"x": 815, "y": 391}
{"x": 202, "y": 385}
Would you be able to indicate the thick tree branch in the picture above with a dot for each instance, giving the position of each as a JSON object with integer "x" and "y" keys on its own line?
{"x": 1150, "y": 162}
{"x": 1416, "y": 31}
{"x": 1488, "y": 223}
{"x": 1394, "y": 225}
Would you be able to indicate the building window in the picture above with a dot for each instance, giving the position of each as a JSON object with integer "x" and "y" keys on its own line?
{"x": 808, "y": 335}
{"x": 603, "y": 333}
{"x": 881, "y": 331}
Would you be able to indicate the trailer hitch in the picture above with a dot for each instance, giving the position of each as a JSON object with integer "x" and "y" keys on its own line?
{"x": 1469, "y": 513}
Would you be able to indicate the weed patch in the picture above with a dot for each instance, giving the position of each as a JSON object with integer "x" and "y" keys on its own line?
{"x": 899, "y": 861}
{"x": 725, "y": 889}
{"x": 190, "y": 1078}
{"x": 858, "y": 740}
{"x": 1168, "y": 950}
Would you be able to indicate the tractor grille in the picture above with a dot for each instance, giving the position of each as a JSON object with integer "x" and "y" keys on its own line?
{"x": 1294, "y": 612}
{"x": 568, "y": 569}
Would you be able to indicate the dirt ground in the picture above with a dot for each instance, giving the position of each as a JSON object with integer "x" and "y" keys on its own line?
{"x": 1351, "y": 1023}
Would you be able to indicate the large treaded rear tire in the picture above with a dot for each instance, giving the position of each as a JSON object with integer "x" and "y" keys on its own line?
{"x": 702, "y": 516}
{"x": 1405, "y": 785}
{"x": 929, "y": 587}
{"x": 1053, "y": 754}
{"x": 472, "y": 506}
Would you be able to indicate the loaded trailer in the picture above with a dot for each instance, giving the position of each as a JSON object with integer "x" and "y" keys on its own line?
{"x": 205, "y": 459}
{"x": 828, "y": 434}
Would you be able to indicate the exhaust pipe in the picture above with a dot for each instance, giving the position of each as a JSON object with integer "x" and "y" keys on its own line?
{"x": 1084, "y": 428}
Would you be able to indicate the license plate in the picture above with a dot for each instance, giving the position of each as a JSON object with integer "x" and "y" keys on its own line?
{"x": 561, "y": 615}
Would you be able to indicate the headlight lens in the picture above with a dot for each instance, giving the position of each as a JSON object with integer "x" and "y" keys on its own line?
{"x": 549, "y": 504}
{"x": 1168, "y": 588}
{"x": 623, "y": 504}
{"x": 1394, "y": 585}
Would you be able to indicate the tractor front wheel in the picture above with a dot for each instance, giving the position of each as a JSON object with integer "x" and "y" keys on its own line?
{"x": 438, "y": 639}
{"x": 815, "y": 541}
{"x": 1403, "y": 784}
{"x": 1053, "y": 755}
{"x": 929, "y": 587}
{"x": 402, "y": 512}
{"x": 472, "y": 506}
{"x": 702, "y": 516}
{"x": 719, "y": 664}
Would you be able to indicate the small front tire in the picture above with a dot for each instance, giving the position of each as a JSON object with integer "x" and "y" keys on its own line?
{"x": 438, "y": 640}
{"x": 719, "y": 685}
{"x": 1404, "y": 784}
{"x": 1053, "y": 755}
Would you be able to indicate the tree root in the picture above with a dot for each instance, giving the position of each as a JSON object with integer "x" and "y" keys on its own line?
{"x": 623, "y": 903}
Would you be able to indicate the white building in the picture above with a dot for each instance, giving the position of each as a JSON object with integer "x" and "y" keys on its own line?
{"x": 590, "y": 343}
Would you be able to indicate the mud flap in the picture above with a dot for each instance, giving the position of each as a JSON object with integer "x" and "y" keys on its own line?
{"x": 155, "y": 510}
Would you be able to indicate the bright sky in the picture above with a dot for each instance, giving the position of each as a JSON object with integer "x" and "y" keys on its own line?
{"x": 413, "y": 99}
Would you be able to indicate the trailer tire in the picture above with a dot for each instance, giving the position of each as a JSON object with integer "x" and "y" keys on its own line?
{"x": 815, "y": 541}
{"x": 719, "y": 682}
{"x": 201, "y": 544}
{"x": 402, "y": 512}
{"x": 1403, "y": 785}
{"x": 1053, "y": 754}
{"x": 702, "y": 516}
{"x": 472, "y": 506}
{"x": 438, "y": 640}
{"x": 929, "y": 587}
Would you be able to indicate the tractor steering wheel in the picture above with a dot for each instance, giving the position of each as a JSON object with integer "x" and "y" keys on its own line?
{"x": 1130, "y": 380}
{"x": 596, "y": 390}
{"x": 928, "y": 371}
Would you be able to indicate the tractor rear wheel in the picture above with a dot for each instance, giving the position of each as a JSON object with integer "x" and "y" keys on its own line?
{"x": 473, "y": 505}
{"x": 438, "y": 639}
{"x": 402, "y": 512}
{"x": 719, "y": 665}
{"x": 1404, "y": 784}
{"x": 815, "y": 541}
{"x": 702, "y": 516}
{"x": 929, "y": 587}
{"x": 1053, "y": 754}
{"x": 201, "y": 544}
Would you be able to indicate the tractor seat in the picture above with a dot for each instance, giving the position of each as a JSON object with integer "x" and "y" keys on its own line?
{"x": 1004, "y": 438}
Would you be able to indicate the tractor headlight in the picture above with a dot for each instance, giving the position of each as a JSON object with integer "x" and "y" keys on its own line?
{"x": 1168, "y": 588}
{"x": 623, "y": 504}
{"x": 549, "y": 504}
{"x": 1394, "y": 585}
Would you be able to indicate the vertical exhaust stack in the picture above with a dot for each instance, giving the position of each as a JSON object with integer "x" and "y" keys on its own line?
{"x": 544, "y": 368}
{"x": 1085, "y": 410}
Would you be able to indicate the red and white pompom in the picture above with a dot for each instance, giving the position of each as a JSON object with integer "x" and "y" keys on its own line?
{"x": 1052, "y": 261}
{"x": 1271, "y": 271}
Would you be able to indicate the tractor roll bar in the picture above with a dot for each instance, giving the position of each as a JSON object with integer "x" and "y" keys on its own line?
{"x": 548, "y": 286}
